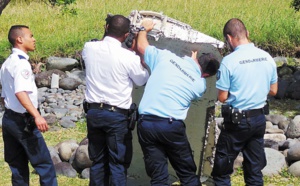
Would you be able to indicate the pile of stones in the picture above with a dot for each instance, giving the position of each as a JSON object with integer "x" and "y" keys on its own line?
{"x": 61, "y": 103}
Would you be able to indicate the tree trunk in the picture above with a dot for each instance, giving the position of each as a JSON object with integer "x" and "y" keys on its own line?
{"x": 3, "y": 4}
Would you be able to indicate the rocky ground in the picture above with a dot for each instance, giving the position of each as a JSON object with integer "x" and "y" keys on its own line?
{"x": 61, "y": 96}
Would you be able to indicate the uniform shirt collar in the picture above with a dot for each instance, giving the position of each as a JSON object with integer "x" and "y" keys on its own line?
{"x": 20, "y": 52}
{"x": 112, "y": 40}
{"x": 244, "y": 46}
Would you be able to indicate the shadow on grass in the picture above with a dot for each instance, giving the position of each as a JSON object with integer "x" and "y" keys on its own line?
{"x": 287, "y": 107}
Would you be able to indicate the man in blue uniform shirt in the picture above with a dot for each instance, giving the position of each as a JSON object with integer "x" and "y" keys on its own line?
{"x": 173, "y": 84}
{"x": 22, "y": 123}
{"x": 245, "y": 78}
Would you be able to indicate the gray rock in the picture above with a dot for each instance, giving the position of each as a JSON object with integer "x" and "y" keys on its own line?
{"x": 66, "y": 148}
{"x": 76, "y": 112}
{"x": 43, "y": 79}
{"x": 65, "y": 169}
{"x": 51, "y": 119}
{"x": 71, "y": 118}
{"x": 69, "y": 83}
{"x": 85, "y": 141}
{"x": 271, "y": 144}
{"x": 293, "y": 90}
{"x": 285, "y": 152}
{"x": 42, "y": 90}
{"x": 60, "y": 112}
{"x": 293, "y": 153}
{"x": 63, "y": 64}
{"x": 79, "y": 75}
{"x": 238, "y": 162}
{"x": 293, "y": 130}
{"x": 48, "y": 109}
{"x": 293, "y": 142}
{"x": 51, "y": 99}
{"x": 67, "y": 123}
{"x": 85, "y": 174}
{"x": 54, "y": 128}
{"x": 78, "y": 101}
{"x": 275, "y": 137}
{"x": 71, "y": 106}
{"x": 294, "y": 169}
{"x": 297, "y": 119}
{"x": 274, "y": 131}
{"x": 275, "y": 162}
{"x": 53, "y": 105}
{"x": 285, "y": 70}
{"x": 275, "y": 119}
{"x": 269, "y": 125}
{"x": 287, "y": 144}
{"x": 82, "y": 159}
{"x": 53, "y": 90}
{"x": 282, "y": 88}
{"x": 297, "y": 75}
{"x": 283, "y": 125}
{"x": 54, "y": 155}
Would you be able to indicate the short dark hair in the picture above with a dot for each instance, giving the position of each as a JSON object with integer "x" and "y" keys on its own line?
{"x": 118, "y": 25}
{"x": 14, "y": 32}
{"x": 235, "y": 28}
{"x": 209, "y": 63}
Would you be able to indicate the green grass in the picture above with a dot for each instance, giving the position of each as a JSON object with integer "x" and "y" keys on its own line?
{"x": 272, "y": 24}
{"x": 284, "y": 179}
{"x": 52, "y": 138}
{"x": 287, "y": 108}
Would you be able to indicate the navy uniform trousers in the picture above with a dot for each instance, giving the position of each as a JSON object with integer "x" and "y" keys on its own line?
{"x": 110, "y": 147}
{"x": 246, "y": 137}
{"x": 21, "y": 146}
{"x": 162, "y": 139}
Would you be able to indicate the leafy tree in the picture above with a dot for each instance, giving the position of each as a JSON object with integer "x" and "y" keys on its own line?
{"x": 3, "y": 4}
{"x": 64, "y": 6}
{"x": 60, "y": 3}
{"x": 296, "y": 5}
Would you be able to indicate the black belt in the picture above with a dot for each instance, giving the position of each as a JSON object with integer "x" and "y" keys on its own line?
{"x": 16, "y": 113}
{"x": 153, "y": 117}
{"x": 104, "y": 106}
{"x": 252, "y": 113}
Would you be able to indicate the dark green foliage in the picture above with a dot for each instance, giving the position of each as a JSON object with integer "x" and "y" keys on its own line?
{"x": 3, "y": 4}
{"x": 61, "y": 2}
{"x": 296, "y": 5}
{"x": 64, "y": 6}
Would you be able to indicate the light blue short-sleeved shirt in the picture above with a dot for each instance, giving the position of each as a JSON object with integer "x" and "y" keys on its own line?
{"x": 174, "y": 82}
{"x": 247, "y": 74}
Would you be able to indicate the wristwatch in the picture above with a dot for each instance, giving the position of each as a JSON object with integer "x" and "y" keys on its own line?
{"x": 142, "y": 28}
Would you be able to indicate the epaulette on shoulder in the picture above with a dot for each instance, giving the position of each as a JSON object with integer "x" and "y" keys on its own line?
{"x": 94, "y": 40}
{"x": 21, "y": 57}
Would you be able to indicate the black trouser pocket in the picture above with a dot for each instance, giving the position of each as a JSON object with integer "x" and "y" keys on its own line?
{"x": 224, "y": 158}
{"x": 223, "y": 165}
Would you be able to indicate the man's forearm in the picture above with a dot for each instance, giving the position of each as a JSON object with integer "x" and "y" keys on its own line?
{"x": 142, "y": 42}
{"x": 273, "y": 89}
